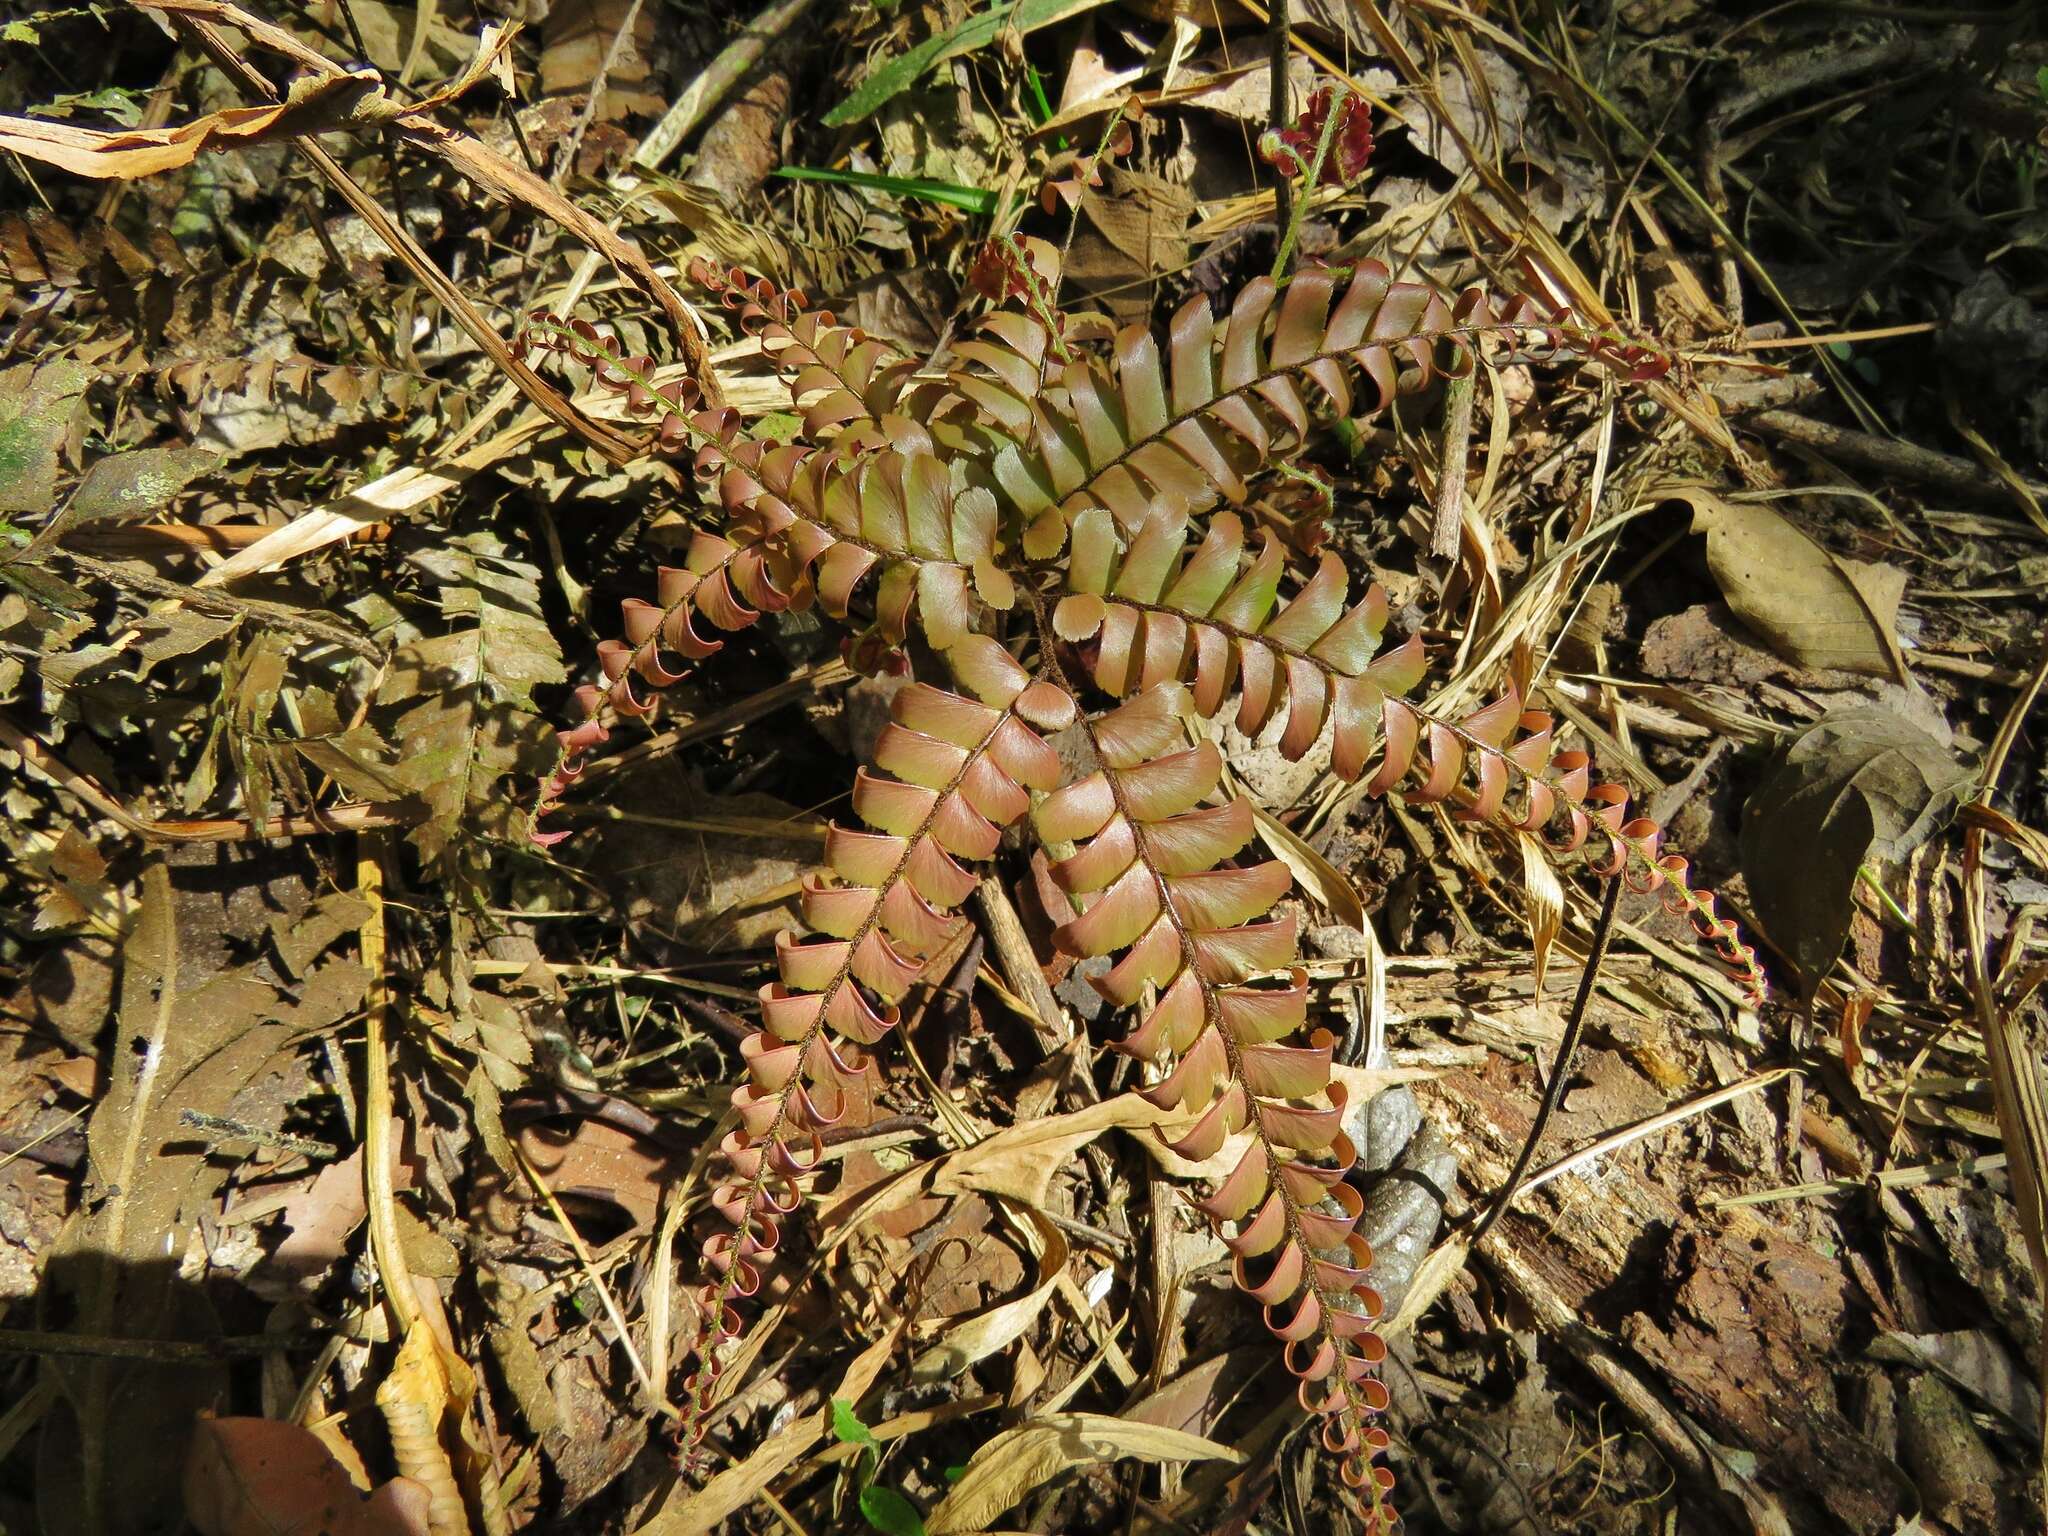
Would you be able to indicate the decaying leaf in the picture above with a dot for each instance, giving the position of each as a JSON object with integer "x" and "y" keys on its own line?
{"x": 1812, "y": 607}
{"x": 261, "y": 1477}
{"x": 1018, "y": 1460}
{"x": 185, "y": 1041}
{"x": 1860, "y": 785}
{"x": 38, "y": 404}
{"x": 124, "y": 485}
{"x": 974, "y": 1338}
{"x": 469, "y": 718}
{"x": 320, "y": 1218}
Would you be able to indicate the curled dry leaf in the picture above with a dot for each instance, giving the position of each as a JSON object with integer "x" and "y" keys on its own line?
{"x": 414, "y": 1398}
{"x": 1018, "y": 1460}
{"x": 1861, "y": 784}
{"x": 1811, "y": 606}
{"x": 974, "y": 1338}
{"x": 262, "y": 1477}
{"x": 1546, "y": 904}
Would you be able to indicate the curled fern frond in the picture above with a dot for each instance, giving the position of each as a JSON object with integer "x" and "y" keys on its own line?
{"x": 1148, "y": 610}
{"x": 1194, "y": 928}
{"x": 841, "y": 369}
{"x": 1141, "y": 432}
{"x": 954, "y": 769}
{"x": 675, "y": 408}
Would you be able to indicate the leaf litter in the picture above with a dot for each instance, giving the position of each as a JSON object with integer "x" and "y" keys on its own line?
{"x": 406, "y": 556}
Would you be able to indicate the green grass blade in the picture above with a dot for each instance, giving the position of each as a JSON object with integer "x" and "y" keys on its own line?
{"x": 976, "y": 32}
{"x": 952, "y": 194}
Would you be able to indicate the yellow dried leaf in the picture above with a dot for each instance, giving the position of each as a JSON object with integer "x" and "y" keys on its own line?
{"x": 1018, "y": 1460}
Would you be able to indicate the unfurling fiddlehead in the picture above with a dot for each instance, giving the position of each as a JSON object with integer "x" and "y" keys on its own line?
{"x": 1059, "y": 484}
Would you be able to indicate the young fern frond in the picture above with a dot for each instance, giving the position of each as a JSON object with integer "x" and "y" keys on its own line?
{"x": 955, "y": 769}
{"x": 1138, "y": 435}
{"x": 845, "y": 372}
{"x": 1198, "y": 932}
{"x": 1063, "y": 478}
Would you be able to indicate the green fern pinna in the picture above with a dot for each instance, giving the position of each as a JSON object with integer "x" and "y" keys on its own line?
{"x": 1052, "y": 510}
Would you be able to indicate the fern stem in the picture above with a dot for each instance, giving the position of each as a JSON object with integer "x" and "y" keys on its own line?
{"x": 1282, "y": 108}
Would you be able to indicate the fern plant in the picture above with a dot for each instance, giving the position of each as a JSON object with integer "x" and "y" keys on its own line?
{"x": 1056, "y": 512}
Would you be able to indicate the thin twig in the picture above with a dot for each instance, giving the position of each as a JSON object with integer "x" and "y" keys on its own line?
{"x": 565, "y": 157}
{"x": 221, "y": 1128}
{"x": 225, "y": 605}
{"x": 1445, "y": 531}
{"x": 2016, "y": 1086}
{"x": 597, "y": 1282}
{"x": 29, "y": 1341}
{"x": 1282, "y": 109}
{"x": 1560, "y": 1072}
{"x": 1942, "y": 472}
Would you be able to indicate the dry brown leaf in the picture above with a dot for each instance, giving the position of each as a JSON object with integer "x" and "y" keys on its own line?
{"x": 316, "y": 103}
{"x": 320, "y": 1219}
{"x": 1811, "y": 606}
{"x": 262, "y": 1477}
{"x": 577, "y": 39}
{"x": 1005, "y": 1470}
{"x": 186, "y": 1040}
{"x": 595, "y": 1161}
{"x": 970, "y": 1339}
{"x": 1546, "y": 905}
{"x": 313, "y": 106}
{"x": 697, "y": 1512}
{"x": 1022, "y": 1160}
{"x": 1312, "y": 872}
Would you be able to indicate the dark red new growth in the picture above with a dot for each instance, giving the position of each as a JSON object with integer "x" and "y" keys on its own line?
{"x": 1293, "y": 150}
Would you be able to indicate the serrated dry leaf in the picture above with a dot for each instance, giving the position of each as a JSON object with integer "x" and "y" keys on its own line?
{"x": 1005, "y": 1470}
{"x": 1811, "y": 606}
{"x": 356, "y": 760}
{"x": 262, "y": 1477}
{"x": 468, "y": 718}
